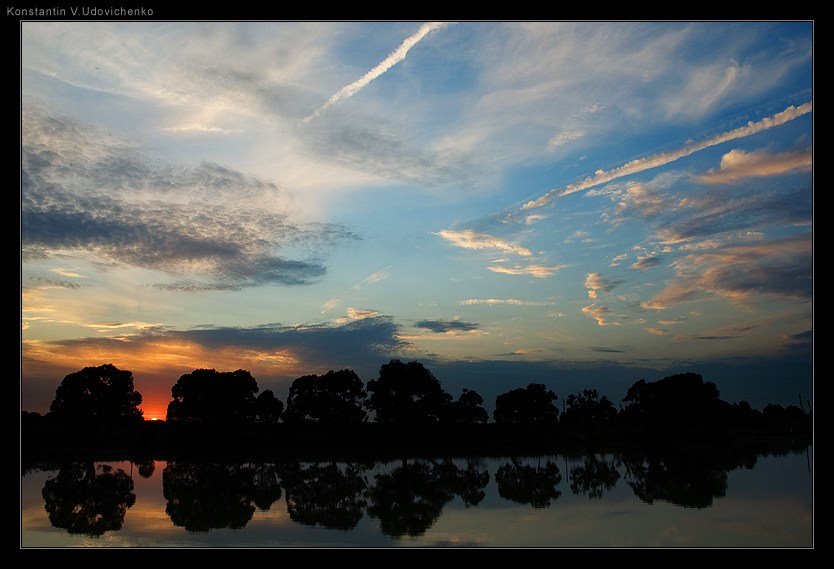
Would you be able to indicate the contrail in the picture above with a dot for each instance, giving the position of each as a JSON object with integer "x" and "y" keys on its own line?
{"x": 649, "y": 162}
{"x": 393, "y": 58}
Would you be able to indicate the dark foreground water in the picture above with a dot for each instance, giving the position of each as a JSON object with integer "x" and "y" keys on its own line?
{"x": 635, "y": 498}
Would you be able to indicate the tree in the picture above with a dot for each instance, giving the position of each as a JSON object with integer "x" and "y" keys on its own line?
{"x": 335, "y": 398}
{"x": 268, "y": 408}
{"x": 674, "y": 401}
{"x": 468, "y": 409}
{"x": 103, "y": 393}
{"x": 212, "y": 396}
{"x": 532, "y": 404}
{"x": 587, "y": 410}
{"x": 407, "y": 393}
{"x": 80, "y": 500}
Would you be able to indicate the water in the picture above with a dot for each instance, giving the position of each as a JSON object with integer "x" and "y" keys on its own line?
{"x": 687, "y": 498}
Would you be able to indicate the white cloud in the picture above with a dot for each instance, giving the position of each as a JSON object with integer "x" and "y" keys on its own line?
{"x": 69, "y": 273}
{"x": 533, "y": 218}
{"x": 504, "y": 301}
{"x": 595, "y": 283}
{"x": 330, "y": 304}
{"x": 646, "y": 262}
{"x": 354, "y": 314}
{"x": 468, "y": 239}
{"x": 649, "y": 162}
{"x": 538, "y": 271}
{"x": 598, "y": 313}
{"x": 393, "y": 58}
{"x": 738, "y": 165}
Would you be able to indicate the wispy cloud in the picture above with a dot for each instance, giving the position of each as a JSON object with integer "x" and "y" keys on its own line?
{"x": 504, "y": 301}
{"x": 740, "y": 272}
{"x": 533, "y": 218}
{"x": 354, "y": 314}
{"x": 598, "y": 312}
{"x": 390, "y": 61}
{"x": 69, "y": 273}
{"x": 595, "y": 283}
{"x": 201, "y": 128}
{"x": 649, "y": 162}
{"x": 86, "y": 192}
{"x": 469, "y": 239}
{"x": 738, "y": 165}
{"x": 538, "y": 271}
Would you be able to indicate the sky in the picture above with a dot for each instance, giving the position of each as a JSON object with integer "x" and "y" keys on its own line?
{"x": 579, "y": 204}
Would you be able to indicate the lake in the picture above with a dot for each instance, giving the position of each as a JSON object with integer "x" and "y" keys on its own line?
{"x": 673, "y": 498}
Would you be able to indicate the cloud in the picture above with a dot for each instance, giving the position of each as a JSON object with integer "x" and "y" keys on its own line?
{"x": 468, "y": 239}
{"x": 533, "y": 218}
{"x": 738, "y": 165}
{"x": 390, "y": 61}
{"x": 201, "y": 128}
{"x": 354, "y": 314}
{"x": 330, "y": 304}
{"x": 618, "y": 259}
{"x": 657, "y": 331}
{"x": 83, "y": 191}
{"x": 716, "y": 337}
{"x": 646, "y": 262}
{"x": 57, "y": 283}
{"x": 565, "y": 136}
{"x": 642, "y": 164}
{"x": 777, "y": 269}
{"x": 607, "y": 350}
{"x": 69, "y": 273}
{"x": 446, "y": 326}
{"x": 598, "y": 312}
{"x": 503, "y": 301}
{"x": 672, "y": 321}
{"x": 595, "y": 283}
{"x": 380, "y": 275}
{"x": 538, "y": 271}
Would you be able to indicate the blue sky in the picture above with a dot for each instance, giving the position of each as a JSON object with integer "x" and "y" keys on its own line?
{"x": 580, "y": 204}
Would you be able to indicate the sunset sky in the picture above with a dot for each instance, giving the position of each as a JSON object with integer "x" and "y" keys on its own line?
{"x": 578, "y": 204}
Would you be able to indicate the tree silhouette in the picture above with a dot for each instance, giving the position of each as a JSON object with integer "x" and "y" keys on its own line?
{"x": 407, "y": 393}
{"x": 468, "y": 409}
{"x": 408, "y": 500}
{"x": 335, "y": 398}
{"x": 103, "y": 393}
{"x": 81, "y": 501}
{"x": 594, "y": 477}
{"x": 268, "y": 408}
{"x": 587, "y": 409}
{"x": 145, "y": 467}
{"x": 674, "y": 401}
{"x": 325, "y": 495}
{"x": 532, "y": 404}
{"x": 212, "y": 396}
{"x": 525, "y": 484}
{"x": 206, "y": 495}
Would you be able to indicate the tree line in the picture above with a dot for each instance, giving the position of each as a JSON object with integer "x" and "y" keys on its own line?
{"x": 404, "y": 393}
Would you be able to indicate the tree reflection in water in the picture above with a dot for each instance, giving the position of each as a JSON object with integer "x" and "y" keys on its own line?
{"x": 203, "y": 496}
{"x": 83, "y": 501}
{"x": 325, "y": 494}
{"x": 525, "y": 484}
{"x": 595, "y": 477}
{"x": 409, "y": 499}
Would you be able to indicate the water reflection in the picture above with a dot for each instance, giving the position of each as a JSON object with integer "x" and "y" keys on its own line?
{"x": 83, "y": 499}
{"x": 408, "y": 500}
{"x": 595, "y": 476}
{"x": 203, "y": 496}
{"x": 326, "y": 495}
{"x": 526, "y": 484}
{"x": 405, "y": 498}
